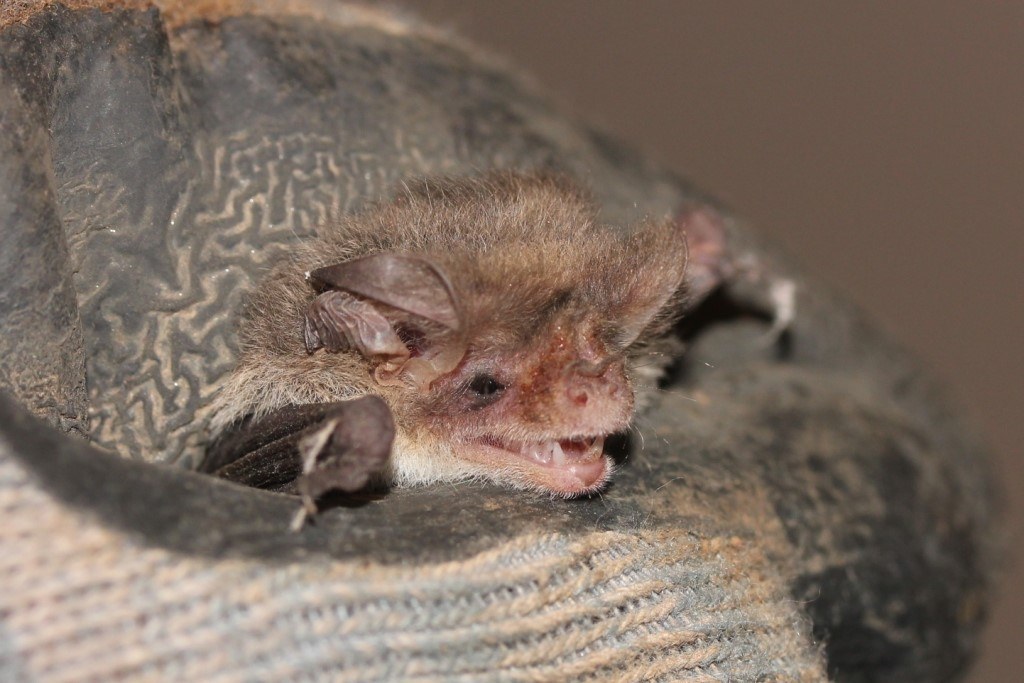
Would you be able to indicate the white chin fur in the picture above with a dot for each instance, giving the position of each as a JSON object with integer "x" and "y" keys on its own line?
{"x": 414, "y": 464}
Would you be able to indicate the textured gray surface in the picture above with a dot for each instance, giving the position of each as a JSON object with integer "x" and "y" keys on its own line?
{"x": 177, "y": 181}
{"x": 42, "y": 358}
{"x": 93, "y": 603}
{"x": 181, "y": 163}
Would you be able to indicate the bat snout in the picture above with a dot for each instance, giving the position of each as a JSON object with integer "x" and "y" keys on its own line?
{"x": 580, "y": 393}
{"x": 605, "y": 399}
{"x": 578, "y": 396}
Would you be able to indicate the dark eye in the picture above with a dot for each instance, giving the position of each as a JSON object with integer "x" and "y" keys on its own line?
{"x": 485, "y": 390}
{"x": 485, "y": 385}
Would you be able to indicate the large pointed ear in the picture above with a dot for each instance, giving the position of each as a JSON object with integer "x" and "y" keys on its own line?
{"x": 654, "y": 262}
{"x": 352, "y": 313}
{"x": 338, "y": 321}
{"x": 408, "y": 283}
{"x": 708, "y": 258}
{"x": 678, "y": 263}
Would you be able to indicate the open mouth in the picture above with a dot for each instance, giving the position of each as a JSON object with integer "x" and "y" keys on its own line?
{"x": 567, "y": 467}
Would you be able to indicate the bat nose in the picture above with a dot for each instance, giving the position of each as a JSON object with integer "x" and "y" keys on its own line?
{"x": 584, "y": 389}
{"x": 578, "y": 396}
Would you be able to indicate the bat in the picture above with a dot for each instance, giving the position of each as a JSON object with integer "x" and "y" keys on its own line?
{"x": 484, "y": 328}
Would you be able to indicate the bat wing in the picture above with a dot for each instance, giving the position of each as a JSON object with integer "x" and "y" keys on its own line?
{"x": 754, "y": 281}
{"x": 697, "y": 239}
{"x": 347, "y": 448}
{"x": 309, "y": 449}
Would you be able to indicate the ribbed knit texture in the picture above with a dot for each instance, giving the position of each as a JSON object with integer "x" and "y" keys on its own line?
{"x": 81, "y": 602}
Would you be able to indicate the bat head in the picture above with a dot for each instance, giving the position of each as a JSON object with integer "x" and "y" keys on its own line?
{"x": 501, "y": 325}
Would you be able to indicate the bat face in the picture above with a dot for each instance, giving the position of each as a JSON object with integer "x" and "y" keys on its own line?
{"x": 537, "y": 418}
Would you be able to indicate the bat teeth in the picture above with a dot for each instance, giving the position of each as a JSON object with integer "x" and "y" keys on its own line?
{"x": 557, "y": 454}
{"x": 552, "y": 452}
{"x": 542, "y": 452}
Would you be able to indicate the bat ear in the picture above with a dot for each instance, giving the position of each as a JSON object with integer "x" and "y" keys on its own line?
{"x": 408, "y": 283}
{"x": 680, "y": 262}
{"x": 706, "y": 248}
{"x": 338, "y": 320}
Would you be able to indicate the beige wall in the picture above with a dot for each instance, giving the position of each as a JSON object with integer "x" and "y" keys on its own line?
{"x": 882, "y": 142}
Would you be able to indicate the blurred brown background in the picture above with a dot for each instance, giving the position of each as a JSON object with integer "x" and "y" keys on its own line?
{"x": 881, "y": 142}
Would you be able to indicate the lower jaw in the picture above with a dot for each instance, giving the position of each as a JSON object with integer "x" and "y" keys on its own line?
{"x": 577, "y": 480}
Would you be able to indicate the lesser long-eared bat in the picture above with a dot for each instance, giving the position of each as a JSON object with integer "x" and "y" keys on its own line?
{"x": 488, "y": 328}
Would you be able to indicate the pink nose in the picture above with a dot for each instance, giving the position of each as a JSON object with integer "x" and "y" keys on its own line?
{"x": 582, "y": 389}
{"x": 589, "y": 403}
{"x": 578, "y": 396}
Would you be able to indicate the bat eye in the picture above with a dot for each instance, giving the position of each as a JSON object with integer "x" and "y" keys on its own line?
{"x": 485, "y": 385}
{"x": 486, "y": 388}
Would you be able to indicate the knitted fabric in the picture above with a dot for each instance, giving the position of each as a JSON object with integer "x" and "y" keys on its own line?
{"x": 83, "y": 602}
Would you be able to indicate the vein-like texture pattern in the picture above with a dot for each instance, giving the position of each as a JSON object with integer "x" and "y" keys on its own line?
{"x": 83, "y": 602}
{"x": 177, "y": 182}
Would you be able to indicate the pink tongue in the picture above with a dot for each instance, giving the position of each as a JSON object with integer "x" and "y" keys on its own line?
{"x": 588, "y": 473}
{"x": 574, "y": 448}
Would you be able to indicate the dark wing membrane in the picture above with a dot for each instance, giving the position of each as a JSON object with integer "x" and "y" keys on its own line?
{"x": 249, "y": 436}
{"x": 276, "y": 452}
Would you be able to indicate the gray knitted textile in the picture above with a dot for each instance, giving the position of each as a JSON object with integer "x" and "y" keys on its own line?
{"x": 95, "y": 604}
{"x": 802, "y": 513}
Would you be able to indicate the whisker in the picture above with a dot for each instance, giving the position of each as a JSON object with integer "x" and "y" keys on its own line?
{"x": 668, "y": 482}
{"x": 667, "y": 392}
{"x": 636, "y": 428}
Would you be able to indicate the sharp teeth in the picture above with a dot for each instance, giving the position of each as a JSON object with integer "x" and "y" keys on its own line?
{"x": 541, "y": 452}
{"x": 558, "y": 455}
{"x": 551, "y": 453}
